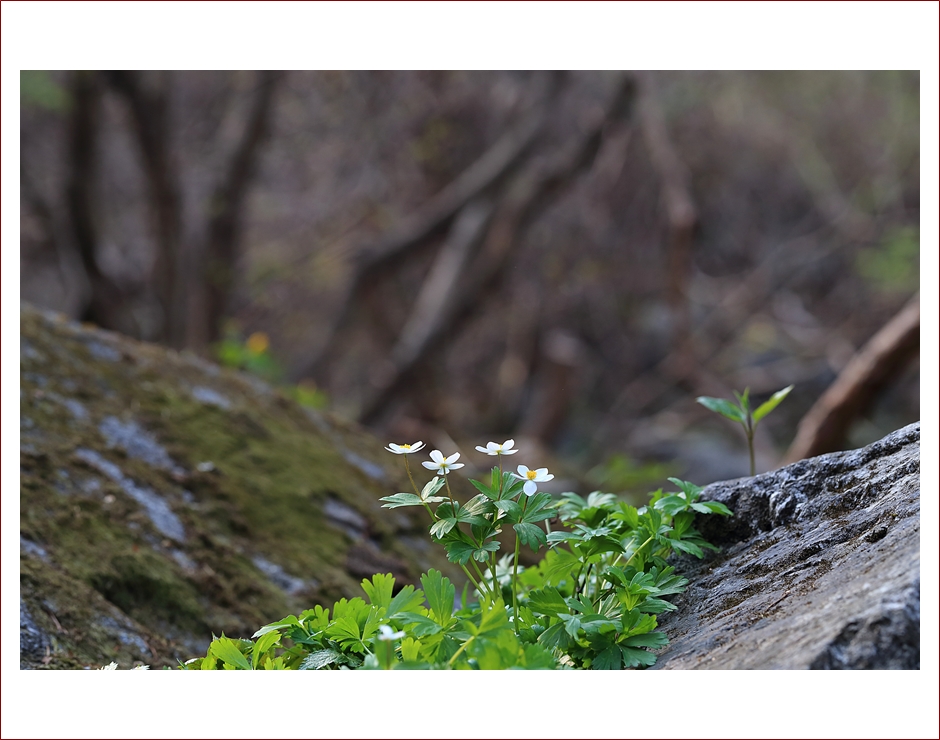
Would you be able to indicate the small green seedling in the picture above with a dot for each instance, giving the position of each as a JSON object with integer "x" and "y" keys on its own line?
{"x": 742, "y": 413}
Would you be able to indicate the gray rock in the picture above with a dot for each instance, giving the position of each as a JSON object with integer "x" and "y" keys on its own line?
{"x": 819, "y": 568}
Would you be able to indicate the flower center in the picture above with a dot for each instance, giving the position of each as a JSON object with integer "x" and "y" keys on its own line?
{"x": 406, "y": 447}
{"x": 530, "y": 474}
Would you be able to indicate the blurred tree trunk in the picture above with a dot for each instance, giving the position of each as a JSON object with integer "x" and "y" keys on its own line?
{"x": 681, "y": 221}
{"x": 106, "y": 304}
{"x": 226, "y": 218}
{"x": 149, "y": 107}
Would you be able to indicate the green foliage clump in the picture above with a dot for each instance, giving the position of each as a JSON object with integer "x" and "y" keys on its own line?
{"x": 590, "y": 603}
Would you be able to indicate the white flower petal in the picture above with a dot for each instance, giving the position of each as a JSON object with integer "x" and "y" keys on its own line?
{"x": 530, "y": 487}
{"x": 430, "y": 465}
{"x": 417, "y": 446}
{"x": 548, "y": 477}
{"x": 510, "y": 452}
{"x": 484, "y": 450}
{"x": 508, "y": 445}
{"x": 523, "y": 472}
{"x": 453, "y": 458}
{"x": 541, "y": 472}
{"x": 454, "y": 466}
{"x": 517, "y": 476}
{"x": 492, "y": 446}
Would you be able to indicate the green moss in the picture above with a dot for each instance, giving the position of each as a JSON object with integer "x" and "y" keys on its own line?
{"x": 274, "y": 468}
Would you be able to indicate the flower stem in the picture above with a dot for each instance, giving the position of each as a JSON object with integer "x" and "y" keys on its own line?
{"x": 515, "y": 574}
{"x": 459, "y": 651}
{"x": 408, "y": 470}
{"x": 453, "y": 506}
{"x": 749, "y": 431}
{"x": 637, "y": 550}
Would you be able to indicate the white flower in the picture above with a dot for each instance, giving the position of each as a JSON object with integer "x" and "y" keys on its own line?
{"x": 404, "y": 449}
{"x": 142, "y": 668}
{"x": 531, "y": 477}
{"x": 112, "y": 666}
{"x": 441, "y": 464}
{"x": 386, "y": 633}
{"x": 496, "y": 449}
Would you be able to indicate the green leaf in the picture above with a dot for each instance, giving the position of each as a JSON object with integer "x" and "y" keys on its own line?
{"x": 439, "y": 592}
{"x": 536, "y": 509}
{"x": 379, "y": 589}
{"x": 494, "y": 617}
{"x": 652, "y": 605}
{"x": 712, "y": 507}
{"x": 225, "y": 650}
{"x": 442, "y": 527}
{"x": 320, "y": 659}
{"x": 672, "y": 505}
{"x": 607, "y": 660}
{"x": 530, "y": 535}
{"x": 345, "y": 630}
{"x": 407, "y": 600}
{"x": 481, "y": 554}
{"x": 560, "y": 536}
{"x": 634, "y": 657}
{"x": 286, "y": 622}
{"x": 691, "y": 491}
{"x": 490, "y": 493}
{"x": 559, "y": 564}
{"x": 547, "y": 600}
{"x": 459, "y": 551}
{"x": 555, "y": 637}
{"x": 685, "y": 546}
{"x": 649, "y": 640}
{"x": 410, "y": 648}
{"x": 743, "y": 399}
{"x": 723, "y": 407}
{"x": 572, "y": 624}
{"x": 262, "y": 645}
{"x": 769, "y": 405}
{"x": 400, "y": 499}
{"x": 432, "y": 487}
{"x": 418, "y": 624}
{"x": 512, "y": 509}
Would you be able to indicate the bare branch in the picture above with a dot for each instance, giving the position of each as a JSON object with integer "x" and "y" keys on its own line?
{"x": 825, "y": 425}
{"x": 529, "y": 192}
{"x": 494, "y": 166}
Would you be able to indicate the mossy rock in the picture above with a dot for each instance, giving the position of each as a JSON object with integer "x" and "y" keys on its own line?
{"x": 164, "y": 499}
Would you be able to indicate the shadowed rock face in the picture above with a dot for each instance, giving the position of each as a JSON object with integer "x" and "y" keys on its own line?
{"x": 163, "y": 499}
{"x": 819, "y": 568}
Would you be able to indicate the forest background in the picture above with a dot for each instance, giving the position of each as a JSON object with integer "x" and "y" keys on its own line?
{"x": 563, "y": 258}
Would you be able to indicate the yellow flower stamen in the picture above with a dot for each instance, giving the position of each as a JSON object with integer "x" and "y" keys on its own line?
{"x": 530, "y": 474}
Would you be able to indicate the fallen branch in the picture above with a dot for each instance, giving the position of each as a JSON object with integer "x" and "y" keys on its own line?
{"x": 826, "y": 424}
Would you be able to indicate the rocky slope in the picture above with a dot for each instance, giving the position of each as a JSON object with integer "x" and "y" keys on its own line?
{"x": 163, "y": 499}
{"x": 819, "y": 568}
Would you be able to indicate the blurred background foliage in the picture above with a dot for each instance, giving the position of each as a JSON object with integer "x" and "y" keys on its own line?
{"x": 709, "y": 231}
